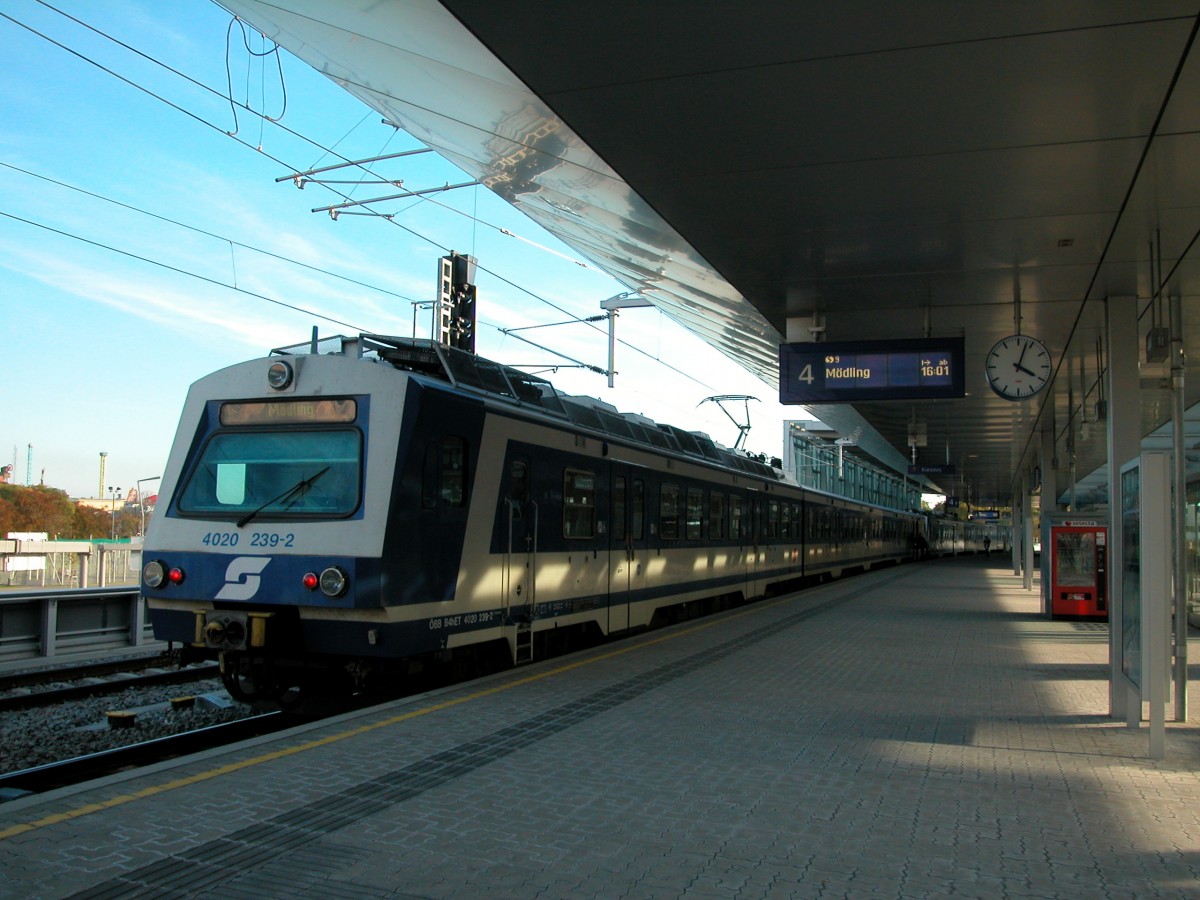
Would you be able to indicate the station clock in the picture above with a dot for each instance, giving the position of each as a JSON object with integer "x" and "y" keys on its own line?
{"x": 1018, "y": 366}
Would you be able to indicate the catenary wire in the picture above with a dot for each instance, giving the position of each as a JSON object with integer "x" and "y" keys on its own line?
{"x": 284, "y": 164}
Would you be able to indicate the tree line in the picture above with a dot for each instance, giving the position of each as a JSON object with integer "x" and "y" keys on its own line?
{"x": 40, "y": 508}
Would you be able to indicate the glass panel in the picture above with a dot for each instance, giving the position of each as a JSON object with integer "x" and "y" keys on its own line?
{"x": 618, "y": 508}
{"x": 668, "y": 512}
{"x": 1131, "y": 584}
{"x": 716, "y": 516}
{"x": 695, "y": 513}
{"x": 579, "y": 504}
{"x": 231, "y": 483}
{"x": 430, "y": 464}
{"x": 639, "y": 510}
{"x": 1192, "y": 531}
{"x": 518, "y": 487}
{"x": 276, "y": 473}
{"x": 454, "y": 470}
{"x": 1075, "y": 558}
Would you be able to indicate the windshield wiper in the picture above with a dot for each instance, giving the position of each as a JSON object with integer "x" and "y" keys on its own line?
{"x": 297, "y": 490}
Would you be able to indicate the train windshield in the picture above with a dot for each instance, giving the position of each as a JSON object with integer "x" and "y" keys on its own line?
{"x": 276, "y": 474}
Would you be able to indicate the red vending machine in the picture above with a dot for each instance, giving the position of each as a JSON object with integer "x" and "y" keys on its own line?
{"x": 1079, "y": 568}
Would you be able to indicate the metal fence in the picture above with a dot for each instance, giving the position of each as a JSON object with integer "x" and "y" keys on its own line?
{"x": 37, "y": 563}
{"x": 40, "y": 624}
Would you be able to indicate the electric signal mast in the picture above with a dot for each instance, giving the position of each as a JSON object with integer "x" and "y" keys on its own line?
{"x": 454, "y": 311}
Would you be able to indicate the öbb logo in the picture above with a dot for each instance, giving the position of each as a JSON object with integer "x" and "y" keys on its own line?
{"x": 242, "y": 578}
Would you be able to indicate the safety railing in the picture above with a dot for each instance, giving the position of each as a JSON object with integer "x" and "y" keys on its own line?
{"x": 34, "y": 563}
{"x": 42, "y": 624}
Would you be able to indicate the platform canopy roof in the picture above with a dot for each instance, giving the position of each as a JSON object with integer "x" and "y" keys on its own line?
{"x": 894, "y": 170}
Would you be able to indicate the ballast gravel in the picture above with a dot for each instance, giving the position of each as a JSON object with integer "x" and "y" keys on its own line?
{"x": 35, "y": 737}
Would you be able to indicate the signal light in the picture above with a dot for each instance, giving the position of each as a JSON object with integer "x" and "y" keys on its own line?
{"x": 175, "y": 575}
{"x": 310, "y": 580}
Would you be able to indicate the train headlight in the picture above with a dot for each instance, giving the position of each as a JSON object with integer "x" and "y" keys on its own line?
{"x": 155, "y": 573}
{"x": 279, "y": 375}
{"x": 334, "y": 582}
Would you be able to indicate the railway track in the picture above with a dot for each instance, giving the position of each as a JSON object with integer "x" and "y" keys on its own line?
{"x": 50, "y": 776}
{"x": 95, "y": 712}
{"x": 27, "y": 691}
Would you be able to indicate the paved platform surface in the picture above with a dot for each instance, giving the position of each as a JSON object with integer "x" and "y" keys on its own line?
{"x": 916, "y": 732}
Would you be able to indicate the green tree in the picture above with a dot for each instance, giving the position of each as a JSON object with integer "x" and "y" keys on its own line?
{"x": 88, "y": 522}
{"x": 129, "y": 521}
{"x": 37, "y": 508}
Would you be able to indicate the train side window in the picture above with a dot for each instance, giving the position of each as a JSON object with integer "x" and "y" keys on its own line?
{"x": 430, "y": 466}
{"x": 772, "y": 518}
{"x": 668, "y": 512}
{"x": 579, "y": 504}
{"x": 639, "y": 509}
{"x": 735, "y": 518}
{"x": 618, "y": 508}
{"x": 518, "y": 487}
{"x": 716, "y": 516}
{"x": 454, "y": 471}
{"x": 785, "y": 522}
{"x": 695, "y": 514}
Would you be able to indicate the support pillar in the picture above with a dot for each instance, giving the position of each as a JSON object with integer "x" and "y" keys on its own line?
{"x": 1049, "y": 504}
{"x": 1124, "y": 444}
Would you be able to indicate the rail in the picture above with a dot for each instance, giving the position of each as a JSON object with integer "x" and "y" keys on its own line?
{"x": 43, "y": 624}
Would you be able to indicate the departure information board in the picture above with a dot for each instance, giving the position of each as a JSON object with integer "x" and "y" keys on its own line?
{"x": 850, "y": 371}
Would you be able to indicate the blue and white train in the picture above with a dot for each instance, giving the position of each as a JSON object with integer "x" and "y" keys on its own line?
{"x": 360, "y": 506}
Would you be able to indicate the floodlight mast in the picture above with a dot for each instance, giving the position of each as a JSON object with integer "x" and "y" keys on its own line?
{"x": 743, "y": 430}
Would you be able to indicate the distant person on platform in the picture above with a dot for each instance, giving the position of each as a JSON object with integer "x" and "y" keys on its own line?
{"x": 987, "y": 546}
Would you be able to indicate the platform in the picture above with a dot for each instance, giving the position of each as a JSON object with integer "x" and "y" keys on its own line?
{"x": 916, "y": 732}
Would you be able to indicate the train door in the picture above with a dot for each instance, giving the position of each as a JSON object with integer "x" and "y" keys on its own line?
{"x": 627, "y": 544}
{"x": 520, "y": 555}
{"x": 758, "y": 544}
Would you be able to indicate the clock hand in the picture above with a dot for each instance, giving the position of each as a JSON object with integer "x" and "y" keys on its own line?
{"x": 1017, "y": 367}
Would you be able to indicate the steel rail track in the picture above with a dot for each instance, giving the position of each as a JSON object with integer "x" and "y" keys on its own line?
{"x": 107, "y": 762}
{"x": 51, "y": 696}
{"x": 98, "y": 665}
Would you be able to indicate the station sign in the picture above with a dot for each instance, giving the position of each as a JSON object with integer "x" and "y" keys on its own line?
{"x": 851, "y": 371}
{"x": 927, "y": 469}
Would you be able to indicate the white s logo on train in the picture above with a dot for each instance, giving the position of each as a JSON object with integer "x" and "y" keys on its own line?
{"x": 241, "y": 578}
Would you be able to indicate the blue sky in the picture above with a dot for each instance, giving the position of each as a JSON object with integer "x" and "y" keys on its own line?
{"x": 143, "y": 246}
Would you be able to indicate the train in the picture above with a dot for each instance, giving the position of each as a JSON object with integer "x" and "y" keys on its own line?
{"x": 352, "y": 509}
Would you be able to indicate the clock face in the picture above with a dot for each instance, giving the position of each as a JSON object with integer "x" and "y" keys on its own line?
{"x": 1018, "y": 367}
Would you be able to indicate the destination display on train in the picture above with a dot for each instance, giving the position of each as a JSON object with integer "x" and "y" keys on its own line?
{"x": 850, "y": 371}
